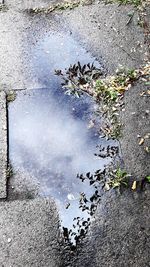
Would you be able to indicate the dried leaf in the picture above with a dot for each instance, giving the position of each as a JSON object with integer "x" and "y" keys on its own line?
{"x": 141, "y": 141}
{"x": 142, "y": 94}
{"x": 147, "y": 136}
{"x": 134, "y": 185}
{"x": 107, "y": 187}
{"x": 147, "y": 149}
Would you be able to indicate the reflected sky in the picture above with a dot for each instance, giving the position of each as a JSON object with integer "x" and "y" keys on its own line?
{"x": 56, "y": 51}
{"x": 49, "y": 135}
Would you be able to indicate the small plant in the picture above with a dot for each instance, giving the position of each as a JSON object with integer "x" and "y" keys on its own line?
{"x": 148, "y": 178}
{"x": 112, "y": 87}
{"x": 109, "y": 178}
{"x": 117, "y": 178}
{"x": 107, "y": 92}
{"x": 9, "y": 171}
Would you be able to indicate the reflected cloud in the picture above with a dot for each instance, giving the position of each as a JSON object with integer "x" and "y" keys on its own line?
{"x": 48, "y": 131}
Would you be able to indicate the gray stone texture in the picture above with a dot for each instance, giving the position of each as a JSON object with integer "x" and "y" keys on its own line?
{"x": 29, "y": 233}
{"x": 29, "y": 228}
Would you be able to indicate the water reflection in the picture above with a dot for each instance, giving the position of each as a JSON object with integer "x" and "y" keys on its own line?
{"x": 50, "y": 142}
{"x": 49, "y": 135}
{"x": 56, "y": 51}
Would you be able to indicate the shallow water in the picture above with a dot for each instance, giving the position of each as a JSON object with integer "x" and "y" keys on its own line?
{"x": 49, "y": 133}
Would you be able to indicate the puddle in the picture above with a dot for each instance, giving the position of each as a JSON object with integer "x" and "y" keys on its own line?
{"x": 55, "y": 51}
{"x": 50, "y": 137}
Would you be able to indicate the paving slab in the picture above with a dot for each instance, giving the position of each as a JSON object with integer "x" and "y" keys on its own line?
{"x": 29, "y": 234}
{"x": 3, "y": 145}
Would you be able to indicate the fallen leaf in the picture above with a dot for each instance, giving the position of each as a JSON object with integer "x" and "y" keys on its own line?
{"x": 114, "y": 109}
{"x": 141, "y": 141}
{"x": 143, "y": 93}
{"x": 134, "y": 185}
{"x": 147, "y": 136}
{"x": 143, "y": 79}
{"x": 147, "y": 149}
{"x": 107, "y": 187}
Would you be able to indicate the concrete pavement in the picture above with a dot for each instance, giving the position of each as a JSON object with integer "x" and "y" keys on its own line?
{"x": 29, "y": 234}
{"x": 3, "y": 145}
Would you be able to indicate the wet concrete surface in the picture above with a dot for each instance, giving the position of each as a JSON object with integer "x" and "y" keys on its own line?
{"x": 121, "y": 225}
{"x": 29, "y": 233}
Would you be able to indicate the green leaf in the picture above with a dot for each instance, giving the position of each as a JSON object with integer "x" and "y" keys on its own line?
{"x": 148, "y": 178}
{"x": 125, "y": 183}
{"x": 147, "y": 83}
{"x": 113, "y": 95}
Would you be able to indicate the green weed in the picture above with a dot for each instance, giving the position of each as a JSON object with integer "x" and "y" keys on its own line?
{"x": 117, "y": 178}
{"x": 107, "y": 92}
{"x": 148, "y": 178}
